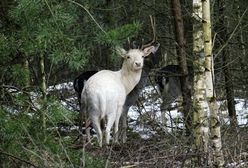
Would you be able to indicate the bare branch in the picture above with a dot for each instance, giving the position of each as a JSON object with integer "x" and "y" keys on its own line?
{"x": 17, "y": 158}
{"x": 89, "y": 15}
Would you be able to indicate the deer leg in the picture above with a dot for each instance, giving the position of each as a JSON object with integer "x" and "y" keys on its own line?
{"x": 97, "y": 127}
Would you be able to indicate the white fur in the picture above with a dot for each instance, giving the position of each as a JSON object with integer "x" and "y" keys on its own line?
{"x": 105, "y": 92}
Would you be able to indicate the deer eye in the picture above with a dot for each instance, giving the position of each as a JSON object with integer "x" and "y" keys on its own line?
{"x": 128, "y": 57}
{"x": 143, "y": 56}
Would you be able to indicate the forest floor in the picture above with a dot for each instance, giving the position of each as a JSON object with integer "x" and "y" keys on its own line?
{"x": 172, "y": 151}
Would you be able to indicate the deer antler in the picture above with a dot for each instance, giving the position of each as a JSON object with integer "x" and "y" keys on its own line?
{"x": 153, "y": 23}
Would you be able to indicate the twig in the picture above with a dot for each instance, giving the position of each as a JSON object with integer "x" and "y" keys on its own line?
{"x": 17, "y": 158}
{"x": 89, "y": 15}
{"x": 151, "y": 161}
{"x": 230, "y": 37}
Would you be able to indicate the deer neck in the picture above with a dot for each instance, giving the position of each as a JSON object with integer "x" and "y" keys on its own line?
{"x": 130, "y": 78}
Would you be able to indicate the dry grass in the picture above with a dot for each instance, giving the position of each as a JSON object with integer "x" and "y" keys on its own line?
{"x": 170, "y": 151}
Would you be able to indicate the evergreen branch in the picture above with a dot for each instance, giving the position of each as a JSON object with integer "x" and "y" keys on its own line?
{"x": 50, "y": 9}
{"x": 89, "y": 15}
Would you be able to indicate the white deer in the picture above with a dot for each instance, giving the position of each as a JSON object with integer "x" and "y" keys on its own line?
{"x": 105, "y": 92}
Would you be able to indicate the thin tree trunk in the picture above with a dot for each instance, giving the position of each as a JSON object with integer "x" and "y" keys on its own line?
{"x": 43, "y": 87}
{"x": 26, "y": 66}
{"x": 200, "y": 107}
{"x": 243, "y": 64}
{"x": 217, "y": 154}
{"x": 182, "y": 60}
{"x": 26, "y": 83}
{"x": 165, "y": 61}
{"x": 226, "y": 70}
{"x": 106, "y": 50}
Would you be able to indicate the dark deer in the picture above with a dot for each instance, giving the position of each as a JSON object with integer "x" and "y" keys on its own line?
{"x": 168, "y": 80}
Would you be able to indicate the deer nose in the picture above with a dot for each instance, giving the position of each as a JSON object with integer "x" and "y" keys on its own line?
{"x": 138, "y": 64}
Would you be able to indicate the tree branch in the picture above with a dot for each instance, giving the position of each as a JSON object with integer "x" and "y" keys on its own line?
{"x": 17, "y": 158}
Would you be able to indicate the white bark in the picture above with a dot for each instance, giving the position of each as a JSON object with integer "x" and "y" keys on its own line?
{"x": 217, "y": 154}
{"x": 44, "y": 91}
{"x": 200, "y": 113}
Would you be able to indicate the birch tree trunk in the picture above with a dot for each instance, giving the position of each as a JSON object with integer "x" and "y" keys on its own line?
{"x": 43, "y": 87}
{"x": 26, "y": 66}
{"x": 184, "y": 79}
{"x": 217, "y": 154}
{"x": 200, "y": 106}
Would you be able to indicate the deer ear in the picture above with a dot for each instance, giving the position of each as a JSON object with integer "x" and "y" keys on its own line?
{"x": 120, "y": 51}
{"x": 151, "y": 49}
{"x": 147, "y": 51}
